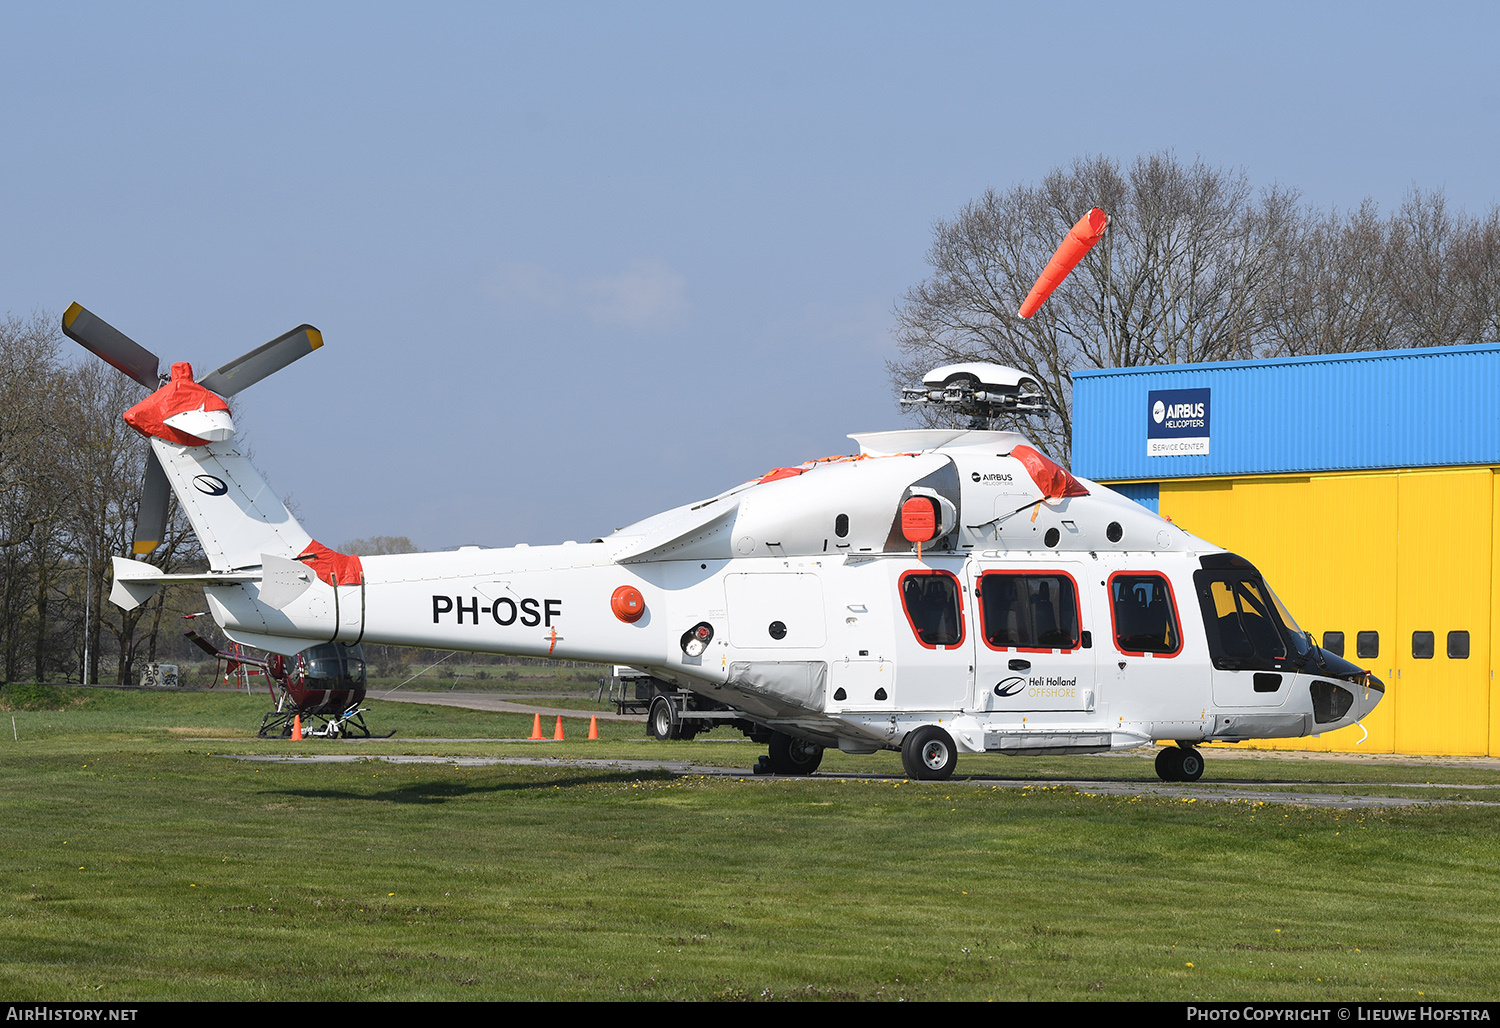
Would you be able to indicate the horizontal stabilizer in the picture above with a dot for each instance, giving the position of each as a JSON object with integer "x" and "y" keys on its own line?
{"x": 136, "y": 581}
{"x": 283, "y": 580}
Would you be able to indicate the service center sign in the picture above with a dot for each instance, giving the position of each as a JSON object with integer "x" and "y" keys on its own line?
{"x": 1177, "y": 423}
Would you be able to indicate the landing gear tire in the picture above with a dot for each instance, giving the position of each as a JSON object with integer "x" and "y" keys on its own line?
{"x": 662, "y": 723}
{"x": 1179, "y": 764}
{"x": 1164, "y": 769}
{"x": 1190, "y": 765}
{"x": 928, "y": 754}
{"x": 792, "y": 756}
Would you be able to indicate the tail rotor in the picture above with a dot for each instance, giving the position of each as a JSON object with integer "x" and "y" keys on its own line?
{"x": 118, "y": 350}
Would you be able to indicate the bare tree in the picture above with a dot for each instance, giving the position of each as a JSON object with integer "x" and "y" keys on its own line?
{"x": 1332, "y": 291}
{"x": 104, "y": 461}
{"x": 30, "y": 493}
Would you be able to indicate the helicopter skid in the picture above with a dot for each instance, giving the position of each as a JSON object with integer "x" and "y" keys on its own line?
{"x": 278, "y": 725}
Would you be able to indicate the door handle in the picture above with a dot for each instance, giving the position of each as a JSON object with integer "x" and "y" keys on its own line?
{"x": 1020, "y": 665}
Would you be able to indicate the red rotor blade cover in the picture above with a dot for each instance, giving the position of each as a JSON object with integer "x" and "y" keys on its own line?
{"x": 1081, "y": 238}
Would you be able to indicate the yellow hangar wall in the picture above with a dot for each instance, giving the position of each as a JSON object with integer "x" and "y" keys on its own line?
{"x": 1397, "y": 553}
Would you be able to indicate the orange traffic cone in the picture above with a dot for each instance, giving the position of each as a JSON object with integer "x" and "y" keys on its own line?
{"x": 536, "y": 727}
{"x": 557, "y": 732}
{"x": 296, "y": 727}
{"x": 593, "y": 727}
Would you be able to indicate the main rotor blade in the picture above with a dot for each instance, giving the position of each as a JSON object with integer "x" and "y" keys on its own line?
{"x": 262, "y": 361}
{"x": 151, "y": 523}
{"x": 114, "y": 346}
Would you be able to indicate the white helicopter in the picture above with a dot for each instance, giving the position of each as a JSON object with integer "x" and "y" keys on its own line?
{"x": 942, "y": 591}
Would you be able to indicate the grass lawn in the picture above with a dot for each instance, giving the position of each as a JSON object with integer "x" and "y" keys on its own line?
{"x": 136, "y": 862}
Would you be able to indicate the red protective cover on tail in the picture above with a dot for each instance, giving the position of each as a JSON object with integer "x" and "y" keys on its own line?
{"x": 326, "y": 563}
{"x": 149, "y": 417}
{"x": 1054, "y": 480}
{"x": 1081, "y": 238}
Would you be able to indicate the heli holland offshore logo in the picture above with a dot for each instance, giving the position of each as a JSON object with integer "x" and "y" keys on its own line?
{"x": 1178, "y": 422}
{"x": 1038, "y": 687}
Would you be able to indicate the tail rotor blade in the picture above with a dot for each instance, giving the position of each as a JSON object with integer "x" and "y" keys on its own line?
{"x": 115, "y": 347}
{"x": 151, "y": 524}
{"x": 264, "y": 360}
{"x": 203, "y": 644}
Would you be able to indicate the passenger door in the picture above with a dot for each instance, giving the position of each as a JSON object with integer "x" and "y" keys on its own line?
{"x": 932, "y": 652}
{"x": 1033, "y": 647}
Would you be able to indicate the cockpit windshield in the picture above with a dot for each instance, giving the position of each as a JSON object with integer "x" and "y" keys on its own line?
{"x": 336, "y": 661}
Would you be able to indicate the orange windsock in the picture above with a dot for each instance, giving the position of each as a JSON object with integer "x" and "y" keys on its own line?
{"x": 1081, "y": 238}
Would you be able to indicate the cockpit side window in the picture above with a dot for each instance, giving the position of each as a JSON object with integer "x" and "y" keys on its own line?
{"x": 1144, "y": 613}
{"x": 1242, "y": 620}
{"x": 933, "y": 608}
{"x": 1036, "y": 612}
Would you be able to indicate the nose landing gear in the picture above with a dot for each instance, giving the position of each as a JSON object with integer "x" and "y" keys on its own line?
{"x": 1179, "y": 764}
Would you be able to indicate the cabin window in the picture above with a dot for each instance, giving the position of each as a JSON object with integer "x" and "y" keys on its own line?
{"x": 1333, "y": 642}
{"x": 1458, "y": 645}
{"x": 1028, "y": 612}
{"x": 1144, "y": 614}
{"x": 1422, "y": 645}
{"x": 1367, "y": 645}
{"x": 933, "y": 607}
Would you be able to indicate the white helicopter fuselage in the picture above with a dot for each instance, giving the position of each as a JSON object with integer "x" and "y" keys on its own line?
{"x": 1028, "y": 621}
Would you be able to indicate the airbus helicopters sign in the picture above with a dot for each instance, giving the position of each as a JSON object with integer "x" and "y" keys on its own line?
{"x": 1177, "y": 423}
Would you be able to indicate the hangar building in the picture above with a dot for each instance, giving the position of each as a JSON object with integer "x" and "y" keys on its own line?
{"x": 1365, "y": 487}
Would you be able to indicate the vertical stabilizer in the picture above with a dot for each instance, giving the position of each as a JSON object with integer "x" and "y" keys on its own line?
{"x": 233, "y": 510}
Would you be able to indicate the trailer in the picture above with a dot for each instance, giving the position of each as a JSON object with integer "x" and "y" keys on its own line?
{"x": 671, "y": 711}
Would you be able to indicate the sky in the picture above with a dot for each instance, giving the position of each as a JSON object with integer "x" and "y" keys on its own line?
{"x": 577, "y": 263}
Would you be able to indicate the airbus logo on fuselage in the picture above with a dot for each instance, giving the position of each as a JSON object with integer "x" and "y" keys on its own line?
{"x": 976, "y": 476}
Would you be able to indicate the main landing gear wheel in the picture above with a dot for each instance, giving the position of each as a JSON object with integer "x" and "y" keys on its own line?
{"x": 928, "y": 754}
{"x": 662, "y": 723}
{"x": 1179, "y": 764}
{"x": 792, "y": 756}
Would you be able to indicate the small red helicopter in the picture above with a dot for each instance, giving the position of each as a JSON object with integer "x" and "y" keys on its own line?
{"x": 323, "y": 685}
